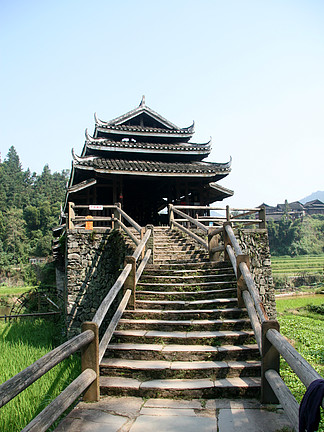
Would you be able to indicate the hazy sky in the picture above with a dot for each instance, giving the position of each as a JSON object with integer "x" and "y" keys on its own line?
{"x": 250, "y": 73}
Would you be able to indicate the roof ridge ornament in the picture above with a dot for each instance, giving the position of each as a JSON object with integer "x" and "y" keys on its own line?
{"x": 91, "y": 139}
{"x": 142, "y": 101}
{"x": 98, "y": 121}
{"x": 81, "y": 159}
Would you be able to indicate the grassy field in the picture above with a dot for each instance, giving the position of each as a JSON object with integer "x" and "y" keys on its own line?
{"x": 296, "y": 265}
{"x": 305, "y": 331}
{"x": 22, "y": 343}
{"x": 14, "y": 290}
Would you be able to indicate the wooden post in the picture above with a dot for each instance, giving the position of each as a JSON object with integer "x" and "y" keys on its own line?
{"x": 130, "y": 282}
{"x": 90, "y": 360}
{"x": 144, "y": 248}
{"x": 212, "y": 243}
{"x": 270, "y": 360}
{"x": 150, "y": 243}
{"x": 228, "y": 213}
{"x": 71, "y": 215}
{"x": 117, "y": 215}
{"x": 262, "y": 216}
{"x": 171, "y": 216}
{"x": 241, "y": 285}
{"x": 226, "y": 240}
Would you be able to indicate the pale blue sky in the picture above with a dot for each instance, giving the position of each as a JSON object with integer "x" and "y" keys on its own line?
{"x": 250, "y": 73}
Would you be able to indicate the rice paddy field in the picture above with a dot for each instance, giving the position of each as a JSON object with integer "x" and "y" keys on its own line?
{"x": 292, "y": 266}
{"x": 21, "y": 344}
{"x": 301, "y": 320}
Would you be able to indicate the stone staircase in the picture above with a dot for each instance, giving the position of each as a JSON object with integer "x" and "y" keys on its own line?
{"x": 186, "y": 338}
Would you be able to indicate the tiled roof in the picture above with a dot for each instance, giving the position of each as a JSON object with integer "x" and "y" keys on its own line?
{"x": 141, "y": 129}
{"x": 205, "y": 169}
{"x": 131, "y": 145}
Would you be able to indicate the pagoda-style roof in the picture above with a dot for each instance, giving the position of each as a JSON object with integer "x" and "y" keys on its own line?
{"x": 145, "y": 162}
{"x": 151, "y": 167}
{"x": 142, "y": 122}
{"x": 130, "y": 145}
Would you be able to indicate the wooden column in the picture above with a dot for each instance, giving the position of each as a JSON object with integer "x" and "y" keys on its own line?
{"x": 262, "y": 216}
{"x": 71, "y": 215}
{"x": 270, "y": 360}
{"x": 212, "y": 244}
{"x": 90, "y": 360}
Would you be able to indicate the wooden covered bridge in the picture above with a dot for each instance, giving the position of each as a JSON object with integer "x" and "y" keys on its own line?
{"x": 191, "y": 313}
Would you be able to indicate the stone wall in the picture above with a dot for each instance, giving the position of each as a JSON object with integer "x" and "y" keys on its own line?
{"x": 93, "y": 261}
{"x": 255, "y": 243}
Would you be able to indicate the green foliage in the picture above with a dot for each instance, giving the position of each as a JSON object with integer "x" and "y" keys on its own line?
{"x": 29, "y": 209}
{"x": 304, "y": 328}
{"x": 297, "y": 237}
{"x": 21, "y": 344}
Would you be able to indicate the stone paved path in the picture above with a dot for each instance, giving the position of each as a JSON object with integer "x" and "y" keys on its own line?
{"x": 131, "y": 414}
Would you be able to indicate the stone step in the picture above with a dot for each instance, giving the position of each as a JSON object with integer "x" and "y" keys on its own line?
{"x": 163, "y": 369}
{"x": 183, "y": 305}
{"x": 185, "y": 295}
{"x": 175, "y": 271}
{"x": 192, "y": 286}
{"x": 191, "y": 314}
{"x": 172, "y": 352}
{"x": 182, "y": 265}
{"x": 181, "y": 388}
{"x": 206, "y": 277}
{"x": 176, "y": 258}
{"x": 212, "y": 337}
{"x": 184, "y": 325}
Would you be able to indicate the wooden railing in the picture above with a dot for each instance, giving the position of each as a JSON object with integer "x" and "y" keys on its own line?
{"x": 113, "y": 217}
{"x": 92, "y": 350}
{"x": 200, "y": 216}
{"x": 270, "y": 341}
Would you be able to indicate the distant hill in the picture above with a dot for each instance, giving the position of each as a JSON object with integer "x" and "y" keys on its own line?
{"x": 315, "y": 195}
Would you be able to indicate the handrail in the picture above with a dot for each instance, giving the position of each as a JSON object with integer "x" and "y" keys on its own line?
{"x": 191, "y": 219}
{"x": 88, "y": 341}
{"x": 129, "y": 219}
{"x": 191, "y": 234}
{"x": 113, "y": 324}
{"x": 110, "y": 297}
{"x": 142, "y": 244}
{"x": 19, "y": 382}
{"x": 65, "y": 399}
{"x": 267, "y": 330}
{"x": 116, "y": 209}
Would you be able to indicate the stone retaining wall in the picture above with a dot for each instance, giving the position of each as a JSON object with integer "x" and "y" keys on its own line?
{"x": 255, "y": 243}
{"x": 93, "y": 261}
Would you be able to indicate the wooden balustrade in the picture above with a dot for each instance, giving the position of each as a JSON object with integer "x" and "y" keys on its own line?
{"x": 88, "y": 341}
{"x": 113, "y": 221}
{"x": 270, "y": 342}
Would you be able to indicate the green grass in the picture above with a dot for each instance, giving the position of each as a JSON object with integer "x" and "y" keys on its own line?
{"x": 305, "y": 331}
{"x": 294, "y": 265}
{"x": 21, "y": 344}
{"x": 14, "y": 290}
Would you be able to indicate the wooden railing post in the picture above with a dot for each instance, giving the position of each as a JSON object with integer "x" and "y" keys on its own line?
{"x": 150, "y": 243}
{"x": 241, "y": 284}
{"x": 117, "y": 215}
{"x": 71, "y": 215}
{"x": 171, "y": 216}
{"x": 270, "y": 360}
{"x": 228, "y": 213}
{"x": 130, "y": 282}
{"x": 226, "y": 240}
{"x": 262, "y": 216}
{"x": 212, "y": 244}
{"x": 90, "y": 360}
{"x": 144, "y": 248}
